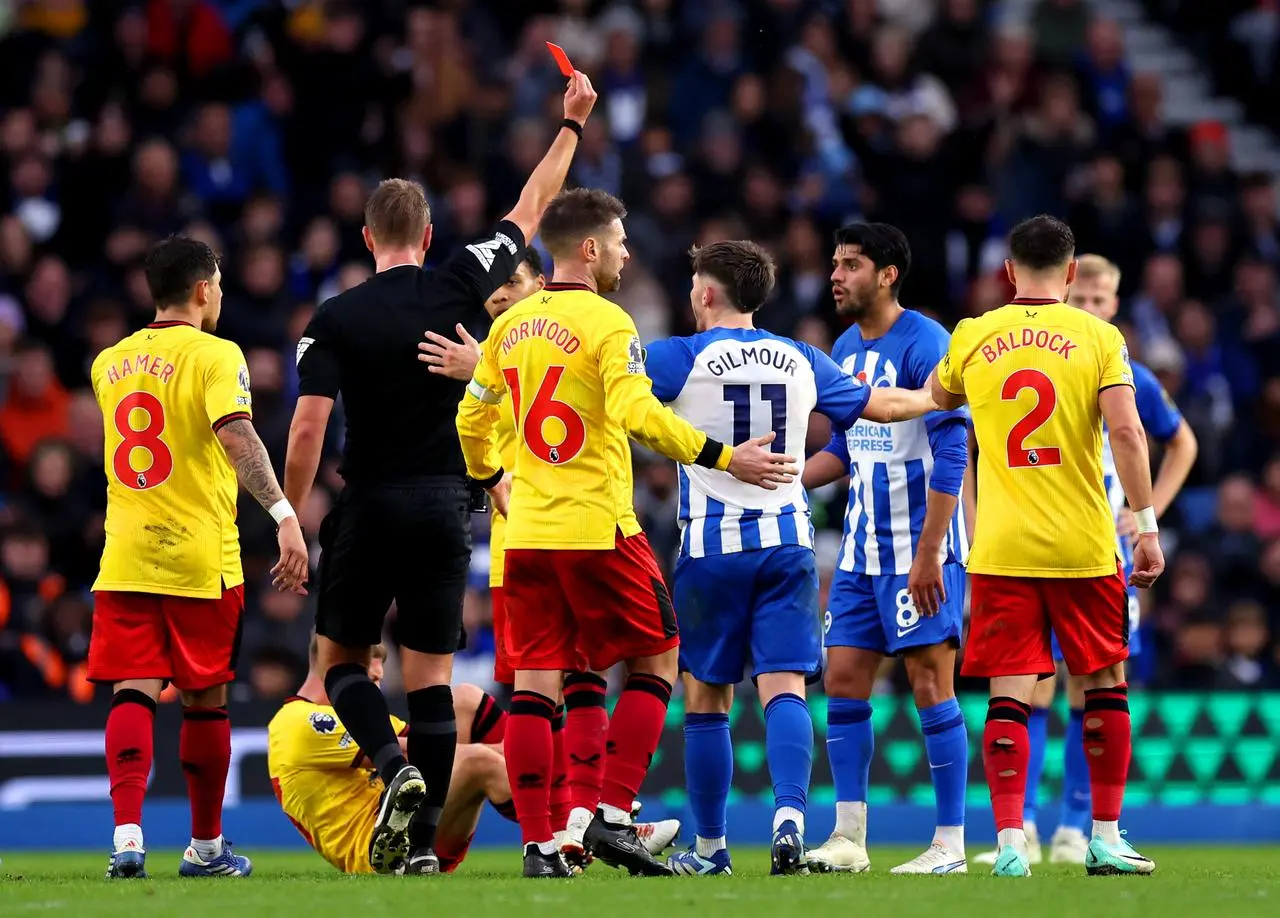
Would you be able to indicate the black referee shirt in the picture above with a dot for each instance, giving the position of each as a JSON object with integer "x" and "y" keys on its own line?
{"x": 364, "y": 345}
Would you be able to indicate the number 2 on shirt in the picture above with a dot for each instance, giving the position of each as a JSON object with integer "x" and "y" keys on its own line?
{"x": 146, "y": 437}
{"x": 544, "y": 406}
{"x": 1046, "y": 401}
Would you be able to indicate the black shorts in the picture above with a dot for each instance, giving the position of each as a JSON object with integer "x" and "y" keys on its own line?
{"x": 407, "y": 541}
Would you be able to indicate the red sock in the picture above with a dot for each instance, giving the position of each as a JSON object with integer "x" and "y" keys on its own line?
{"x": 489, "y": 725}
{"x": 528, "y": 751}
{"x": 1108, "y": 746}
{"x": 634, "y": 731}
{"x": 204, "y": 748}
{"x": 1005, "y": 752}
{"x": 585, "y": 726}
{"x": 561, "y": 799}
{"x": 130, "y": 747}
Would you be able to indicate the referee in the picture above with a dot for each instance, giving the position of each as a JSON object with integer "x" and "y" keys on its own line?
{"x": 400, "y": 530}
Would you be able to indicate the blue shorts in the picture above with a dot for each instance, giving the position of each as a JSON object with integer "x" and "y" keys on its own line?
{"x": 758, "y": 607}
{"x": 875, "y": 612}
{"x": 1135, "y": 636}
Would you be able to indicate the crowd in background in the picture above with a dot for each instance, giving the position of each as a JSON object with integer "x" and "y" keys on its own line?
{"x": 261, "y": 126}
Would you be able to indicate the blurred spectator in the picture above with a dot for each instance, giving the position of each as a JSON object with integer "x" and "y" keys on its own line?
{"x": 36, "y": 406}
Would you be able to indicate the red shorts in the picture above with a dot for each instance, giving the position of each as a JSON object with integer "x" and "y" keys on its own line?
{"x": 613, "y": 604}
{"x": 192, "y": 643}
{"x": 503, "y": 672}
{"x": 1012, "y": 620}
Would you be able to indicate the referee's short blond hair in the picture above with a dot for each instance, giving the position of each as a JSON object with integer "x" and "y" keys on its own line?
{"x": 397, "y": 213}
{"x": 1095, "y": 267}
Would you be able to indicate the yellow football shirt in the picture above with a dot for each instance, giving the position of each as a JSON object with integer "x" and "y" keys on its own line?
{"x": 315, "y": 772}
{"x": 171, "y": 491}
{"x": 572, "y": 364}
{"x": 505, "y": 432}
{"x": 1032, "y": 371}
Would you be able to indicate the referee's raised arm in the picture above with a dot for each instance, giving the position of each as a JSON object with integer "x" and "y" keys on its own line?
{"x": 400, "y": 530}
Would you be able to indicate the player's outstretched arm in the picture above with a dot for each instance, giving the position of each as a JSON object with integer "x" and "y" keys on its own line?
{"x": 477, "y": 422}
{"x": 249, "y": 458}
{"x": 890, "y": 404}
{"x": 548, "y": 176}
{"x": 822, "y": 468}
{"x": 1133, "y": 465}
{"x": 1180, "y": 453}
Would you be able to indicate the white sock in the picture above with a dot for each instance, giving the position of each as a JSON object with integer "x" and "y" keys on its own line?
{"x": 851, "y": 820}
{"x": 128, "y": 835}
{"x": 1015, "y": 837}
{"x": 576, "y": 826}
{"x": 783, "y": 813}
{"x": 709, "y": 846}
{"x": 615, "y": 816}
{"x": 207, "y": 848}
{"x": 1109, "y": 832}
{"x": 951, "y": 838}
{"x": 548, "y": 848}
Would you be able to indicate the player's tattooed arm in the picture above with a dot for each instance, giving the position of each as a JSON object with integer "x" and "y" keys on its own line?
{"x": 249, "y": 458}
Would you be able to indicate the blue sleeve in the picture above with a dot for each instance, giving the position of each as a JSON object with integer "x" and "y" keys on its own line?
{"x": 949, "y": 443}
{"x": 668, "y": 363}
{"x": 838, "y": 447}
{"x": 1159, "y": 415}
{"x": 840, "y": 397}
{"x": 923, "y": 356}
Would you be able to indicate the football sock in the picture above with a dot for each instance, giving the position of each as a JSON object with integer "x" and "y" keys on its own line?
{"x": 1005, "y": 750}
{"x": 506, "y": 809}
{"x": 634, "y": 731}
{"x": 204, "y": 748}
{"x": 947, "y": 745}
{"x": 127, "y": 835}
{"x": 1038, "y": 737}
{"x": 528, "y": 751}
{"x": 130, "y": 747}
{"x": 586, "y": 724}
{"x": 851, "y": 741}
{"x": 788, "y": 744}
{"x": 708, "y": 771}
{"x": 432, "y": 746}
{"x": 361, "y": 707}
{"x": 207, "y": 848}
{"x": 561, "y": 801}
{"x": 489, "y": 724}
{"x": 1077, "y": 804}
{"x": 1108, "y": 748}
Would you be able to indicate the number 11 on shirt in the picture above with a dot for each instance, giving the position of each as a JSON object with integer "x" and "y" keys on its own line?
{"x": 739, "y": 395}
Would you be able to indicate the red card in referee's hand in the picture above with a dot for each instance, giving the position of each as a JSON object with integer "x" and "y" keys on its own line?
{"x": 562, "y": 59}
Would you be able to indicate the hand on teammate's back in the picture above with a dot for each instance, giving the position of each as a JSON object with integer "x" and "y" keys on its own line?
{"x": 291, "y": 570}
{"x": 1148, "y": 560}
{"x": 755, "y": 464}
{"x": 579, "y": 98}
{"x": 449, "y": 358}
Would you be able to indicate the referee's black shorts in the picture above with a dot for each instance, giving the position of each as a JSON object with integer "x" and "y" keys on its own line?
{"x": 407, "y": 541}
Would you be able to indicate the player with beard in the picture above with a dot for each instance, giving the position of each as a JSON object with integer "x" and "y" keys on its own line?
{"x": 579, "y": 571}
{"x": 169, "y": 596}
{"x": 899, "y": 584}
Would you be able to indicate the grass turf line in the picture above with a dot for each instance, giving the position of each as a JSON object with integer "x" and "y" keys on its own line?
{"x": 1189, "y": 883}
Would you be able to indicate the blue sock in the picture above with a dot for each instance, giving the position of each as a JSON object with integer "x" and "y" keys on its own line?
{"x": 947, "y": 745}
{"x": 1038, "y": 734}
{"x": 708, "y": 770}
{"x": 851, "y": 741}
{"x": 788, "y": 743}
{"x": 1077, "y": 802}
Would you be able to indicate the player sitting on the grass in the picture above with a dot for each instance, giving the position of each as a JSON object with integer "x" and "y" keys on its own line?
{"x": 326, "y": 786}
{"x": 746, "y": 583}
{"x": 1095, "y": 291}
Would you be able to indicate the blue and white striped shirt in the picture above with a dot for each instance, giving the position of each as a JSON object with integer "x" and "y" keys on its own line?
{"x": 890, "y": 465}
{"x": 736, "y": 384}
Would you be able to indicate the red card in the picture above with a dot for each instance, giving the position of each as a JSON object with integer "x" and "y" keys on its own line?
{"x": 562, "y": 59}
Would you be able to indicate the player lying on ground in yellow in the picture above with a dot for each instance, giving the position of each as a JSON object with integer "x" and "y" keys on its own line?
{"x": 329, "y": 791}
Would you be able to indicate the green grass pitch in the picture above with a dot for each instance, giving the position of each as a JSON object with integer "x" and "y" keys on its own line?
{"x": 1210, "y": 882}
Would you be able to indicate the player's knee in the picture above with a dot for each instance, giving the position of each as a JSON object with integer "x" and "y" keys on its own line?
{"x": 703, "y": 698}
{"x": 482, "y": 768}
{"x": 847, "y": 683}
{"x": 665, "y": 665}
{"x": 215, "y": 697}
{"x": 931, "y": 671}
{"x": 1109, "y": 677}
{"x": 466, "y": 701}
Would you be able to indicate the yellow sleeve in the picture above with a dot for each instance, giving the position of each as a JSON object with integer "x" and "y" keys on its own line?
{"x": 478, "y": 418}
{"x": 1114, "y": 359}
{"x": 401, "y": 728}
{"x": 951, "y": 368}
{"x": 629, "y": 397}
{"x": 319, "y": 740}
{"x": 226, "y": 389}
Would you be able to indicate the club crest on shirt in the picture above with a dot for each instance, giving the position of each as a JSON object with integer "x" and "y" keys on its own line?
{"x": 323, "y": 723}
{"x": 635, "y": 356}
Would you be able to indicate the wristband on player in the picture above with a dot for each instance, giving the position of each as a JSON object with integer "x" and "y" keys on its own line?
{"x": 573, "y": 126}
{"x": 1146, "y": 519}
{"x": 710, "y": 455}
{"x": 492, "y": 481}
{"x": 281, "y": 510}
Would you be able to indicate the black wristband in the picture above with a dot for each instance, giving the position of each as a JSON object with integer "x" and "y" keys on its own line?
{"x": 710, "y": 454}
{"x": 573, "y": 126}
{"x": 491, "y": 481}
